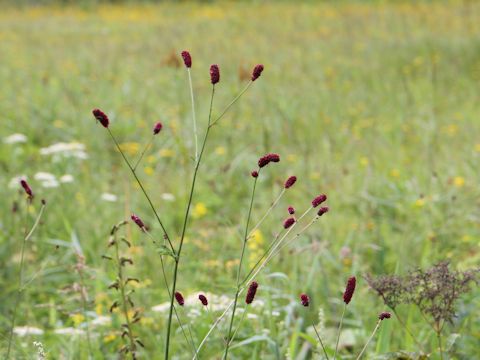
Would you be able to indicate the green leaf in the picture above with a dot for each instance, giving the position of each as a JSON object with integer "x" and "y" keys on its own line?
{"x": 164, "y": 250}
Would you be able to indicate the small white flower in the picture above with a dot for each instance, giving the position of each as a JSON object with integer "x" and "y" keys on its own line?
{"x": 168, "y": 197}
{"x": 44, "y": 176}
{"x": 50, "y": 184}
{"x": 27, "y": 330}
{"x": 67, "y": 178}
{"x": 73, "y": 149}
{"x": 15, "y": 138}
{"x": 47, "y": 180}
{"x": 109, "y": 197}
{"x": 101, "y": 320}
{"x": 69, "y": 331}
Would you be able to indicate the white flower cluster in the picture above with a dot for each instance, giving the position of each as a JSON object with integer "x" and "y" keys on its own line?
{"x": 65, "y": 150}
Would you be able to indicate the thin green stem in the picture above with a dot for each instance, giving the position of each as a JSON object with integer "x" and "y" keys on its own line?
{"x": 274, "y": 204}
{"x": 194, "y": 120}
{"x": 143, "y": 152}
{"x": 184, "y": 228}
{"x": 369, "y": 339}
{"x": 239, "y": 324}
{"x": 84, "y": 305}
{"x": 231, "y": 103}
{"x": 320, "y": 340}
{"x": 245, "y": 239}
{"x": 439, "y": 338}
{"x": 273, "y": 246}
{"x": 192, "y": 344}
{"x": 339, "y": 331}
{"x": 142, "y": 188}
{"x": 20, "y": 277}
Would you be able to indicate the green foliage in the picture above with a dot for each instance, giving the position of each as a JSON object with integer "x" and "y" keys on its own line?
{"x": 375, "y": 105}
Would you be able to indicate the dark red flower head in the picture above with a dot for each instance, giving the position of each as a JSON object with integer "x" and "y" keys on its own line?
{"x": 27, "y": 188}
{"x": 257, "y": 71}
{"x": 138, "y": 221}
{"x": 187, "y": 59}
{"x": 214, "y": 74}
{"x": 288, "y": 222}
{"x": 384, "y": 315}
{"x": 179, "y": 298}
{"x": 291, "y": 210}
{"x": 349, "y": 289}
{"x": 290, "y": 181}
{"x": 157, "y": 128}
{"x": 322, "y": 210}
{"x": 203, "y": 299}
{"x": 318, "y": 200}
{"x": 267, "y": 159}
{"x": 254, "y": 173}
{"x": 305, "y": 300}
{"x": 252, "y": 290}
{"x": 101, "y": 116}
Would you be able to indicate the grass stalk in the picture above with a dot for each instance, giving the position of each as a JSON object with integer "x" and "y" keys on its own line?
{"x": 244, "y": 245}
{"x": 20, "y": 289}
{"x": 142, "y": 188}
{"x": 184, "y": 228}
{"x": 339, "y": 331}
{"x": 320, "y": 340}
{"x": 369, "y": 339}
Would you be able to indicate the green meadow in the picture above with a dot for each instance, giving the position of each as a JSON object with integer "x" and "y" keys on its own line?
{"x": 375, "y": 104}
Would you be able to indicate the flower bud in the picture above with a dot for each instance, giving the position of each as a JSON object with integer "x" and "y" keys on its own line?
{"x": 187, "y": 59}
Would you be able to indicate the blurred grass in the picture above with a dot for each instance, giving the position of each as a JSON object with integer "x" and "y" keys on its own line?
{"x": 375, "y": 105}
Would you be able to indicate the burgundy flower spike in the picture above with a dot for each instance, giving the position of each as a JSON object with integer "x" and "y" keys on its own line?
{"x": 318, "y": 200}
{"x": 322, "y": 210}
{"x": 290, "y": 182}
{"x": 267, "y": 159}
{"x": 257, "y": 71}
{"x": 27, "y": 188}
{"x": 203, "y": 299}
{"x": 384, "y": 315}
{"x": 254, "y": 173}
{"x": 179, "y": 298}
{"x": 101, "y": 117}
{"x": 214, "y": 74}
{"x": 288, "y": 222}
{"x": 157, "y": 128}
{"x": 349, "y": 289}
{"x": 305, "y": 300}
{"x": 252, "y": 290}
{"x": 187, "y": 59}
{"x": 137, "y": 221}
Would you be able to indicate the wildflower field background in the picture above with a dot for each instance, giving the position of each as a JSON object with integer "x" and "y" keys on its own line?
{"x": 374, "y": 103}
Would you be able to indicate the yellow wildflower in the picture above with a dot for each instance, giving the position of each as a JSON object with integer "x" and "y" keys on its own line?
{"x": 167, "y": 153}
{"x": 395, "y": 173}
{"x": 199, "y": 210}
{"x": 220, "y": 150}
{"x": 420, "y": 203}
{"x": 364, "y": 161}
{"x": 148, "y": 170}
{"x": 109, "y": 338}
{"x": 458, "y": 181}
{"x": 477, "y": 147}
{"x": 77, "y": 319}
{"x": 131, "y": 148}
